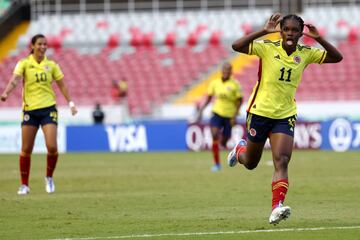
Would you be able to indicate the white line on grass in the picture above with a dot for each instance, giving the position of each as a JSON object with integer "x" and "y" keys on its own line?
{"x": 213, "y": 233}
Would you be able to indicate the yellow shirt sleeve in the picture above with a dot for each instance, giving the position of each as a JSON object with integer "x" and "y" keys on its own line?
{"x": 257, "y": 48}
{"x": 20, "y": 68}
{"x": 211, "y": 89}
{"x": 57, "y": 73}
{"x": 239, "y": 92}
{"x": 317, "y": 56}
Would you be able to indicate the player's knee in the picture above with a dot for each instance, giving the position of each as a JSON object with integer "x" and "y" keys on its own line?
{"x": 282, "y": 161}
{"x": 250, "y": 165}
{"x": 25, "y": 152}
{"x": 52, "y": 150}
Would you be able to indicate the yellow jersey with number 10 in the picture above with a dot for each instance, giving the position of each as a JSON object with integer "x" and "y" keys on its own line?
{"x": 279, "y": 76}
{"x": 37, "y": 78}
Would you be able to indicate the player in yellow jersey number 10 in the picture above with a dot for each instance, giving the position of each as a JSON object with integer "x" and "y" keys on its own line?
{"x": 39, "y": 108}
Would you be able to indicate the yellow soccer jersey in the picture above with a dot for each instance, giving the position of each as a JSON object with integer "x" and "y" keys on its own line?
{"x": 279, "y": 76}
{"x": 225, "y": 93}
{"x": 37, "y": 78}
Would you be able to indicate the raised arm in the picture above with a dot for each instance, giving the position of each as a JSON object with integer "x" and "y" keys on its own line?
{"x": 14, "y": 81}
{"x": 242, "y": 44}
{"x": 333, "y": 55}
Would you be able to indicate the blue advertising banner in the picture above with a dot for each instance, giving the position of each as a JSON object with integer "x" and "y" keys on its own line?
{"x": 340, "y": 135}
{"x": 139, "y": 137}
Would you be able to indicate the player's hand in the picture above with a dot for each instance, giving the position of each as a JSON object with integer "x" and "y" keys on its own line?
{"x": 73, "y": 110}
{"x": 198, "y": 116}
{"x": 3, "y": 97}
{"x": 271, "y": 24}
{"x": 233, "y": 121}
{"x": 313, "y": 32}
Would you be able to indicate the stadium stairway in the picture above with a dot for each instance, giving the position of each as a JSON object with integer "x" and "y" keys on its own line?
{"x": 198, "y": 91}
{"x": 240, "y": 63}
{"x": 10, "y": 41}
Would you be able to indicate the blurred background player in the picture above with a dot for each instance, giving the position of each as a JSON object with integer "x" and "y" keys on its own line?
{"x": 228, "y": 99}
{"x": 119, "y": 89}
{"x": 119, "y": 92}
{"x": 39, "y": 108}
{"x": 271, "y": 109}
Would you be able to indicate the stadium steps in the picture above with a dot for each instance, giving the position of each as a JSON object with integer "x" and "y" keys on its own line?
{"x": 9, "y": 42}
{"x": 196, "y": 93}
{"x": 239, "y": 63}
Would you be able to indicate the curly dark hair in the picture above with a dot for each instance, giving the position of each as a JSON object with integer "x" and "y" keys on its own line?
{"x": 295, "y": 17}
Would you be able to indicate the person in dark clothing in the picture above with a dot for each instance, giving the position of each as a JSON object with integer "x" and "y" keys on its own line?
{"x": 98, "y": 114}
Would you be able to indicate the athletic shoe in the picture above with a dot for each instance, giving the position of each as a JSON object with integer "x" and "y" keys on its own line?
{"x": 236, "y": 152}
{"x": 279, "y": 213}
{"x": 216, "y": 168}
{"x": 49, "y": 185}
{"x": 23, "y": 190}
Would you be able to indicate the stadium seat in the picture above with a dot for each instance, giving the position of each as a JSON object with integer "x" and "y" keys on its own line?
{"x": 163, "y": 55}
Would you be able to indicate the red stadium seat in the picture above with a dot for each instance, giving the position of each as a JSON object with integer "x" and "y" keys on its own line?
{"x": 215, "y": 38}
{"x": 170, "y": 39}
{"x": 113, "y": 41}
{"x": 353, "y": 35}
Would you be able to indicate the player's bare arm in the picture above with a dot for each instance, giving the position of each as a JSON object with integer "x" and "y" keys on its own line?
{"x": 333, "y": 55}
{"x": 242, "y": 44}
{"x": 238, "y": 106}
{"x": 66, "y": 94}
{"x": 14, "y": 81}
{"x": 208, "y": 100}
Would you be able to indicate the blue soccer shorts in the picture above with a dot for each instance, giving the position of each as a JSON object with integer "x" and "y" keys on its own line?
{"x": 40, "y": 116}
{"x": 259, "y": 128}
{"x": 221, "y": 123}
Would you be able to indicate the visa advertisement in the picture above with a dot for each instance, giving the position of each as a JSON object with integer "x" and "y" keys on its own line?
{"x": 140, "y": 137}
{"x": 338, "y": 134}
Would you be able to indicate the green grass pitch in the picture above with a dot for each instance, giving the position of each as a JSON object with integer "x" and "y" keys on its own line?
{"x": 176, "y": 196}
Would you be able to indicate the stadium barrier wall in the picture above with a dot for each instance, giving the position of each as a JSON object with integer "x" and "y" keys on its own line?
{"x": 338, "y": 134}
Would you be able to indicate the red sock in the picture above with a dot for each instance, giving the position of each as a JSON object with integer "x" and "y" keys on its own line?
{"x": 279, "y": 190}
{"x": 215, "y": 150}
{"x": 24, "y": 169}
{"x": 51, "y": 164}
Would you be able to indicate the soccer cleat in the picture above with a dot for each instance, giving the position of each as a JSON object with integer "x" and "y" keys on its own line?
{"x": 23, "y": 190}
{"x": 49, "y": 185}
{"x": 279, "y": 213}
{"x": 216, "y": 168}
{"x": 236, "y": 152}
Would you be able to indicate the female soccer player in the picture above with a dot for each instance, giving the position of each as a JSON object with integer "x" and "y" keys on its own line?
{"x": 228, "y": 99}
{"x": 37, "y": 73}
{"x": 271, "y": 110}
